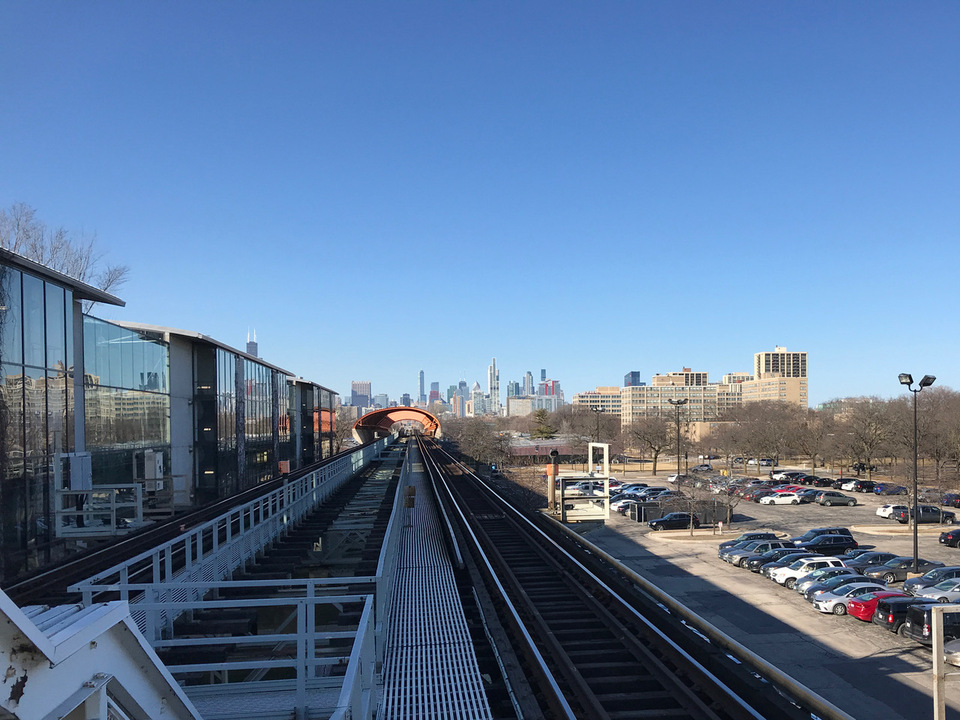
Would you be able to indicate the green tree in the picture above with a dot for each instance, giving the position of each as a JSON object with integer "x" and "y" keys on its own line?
{"x": 542, "y": 429}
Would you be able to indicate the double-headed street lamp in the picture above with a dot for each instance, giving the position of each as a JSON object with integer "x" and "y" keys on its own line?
{"x": 926, "y": 381}
{"x": 677, "y": 404}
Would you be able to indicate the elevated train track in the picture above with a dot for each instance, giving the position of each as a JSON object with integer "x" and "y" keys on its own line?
{"x": 593, "y": 642}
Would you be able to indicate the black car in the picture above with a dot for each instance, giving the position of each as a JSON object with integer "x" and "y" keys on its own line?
{"x": 822, "y": 482}
{"x": 829, "y": 544}
{"x": 674, "y": 521}
{"x": 918, "y": 623}
{"x": 931, "y": 578}
{"x": 950, "y": 500}
{"x": 892, "y": 611}
{"x": 950, "y": 538}
{"x": 817, "y": 532}
{"x": 864, "y": 486}
{"x": 926, "y": 514}
{"x": 771, "y": 556}
{"x": 868, "y": 560}
{"x": 863, "y": 467}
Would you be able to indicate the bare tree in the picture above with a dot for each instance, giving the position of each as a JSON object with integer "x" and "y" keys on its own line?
{"x": 810, "y": 434}
{"x": 23, "y": 233}
{"x": 651, "y": 434}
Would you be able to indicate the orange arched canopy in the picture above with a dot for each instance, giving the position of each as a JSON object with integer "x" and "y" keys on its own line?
{"x": 378, "y": 423}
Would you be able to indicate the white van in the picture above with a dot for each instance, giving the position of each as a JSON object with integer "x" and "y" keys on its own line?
{"x": 788, "y": 576}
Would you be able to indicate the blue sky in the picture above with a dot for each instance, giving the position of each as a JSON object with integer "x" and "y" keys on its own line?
{"x": 590, "y": 188}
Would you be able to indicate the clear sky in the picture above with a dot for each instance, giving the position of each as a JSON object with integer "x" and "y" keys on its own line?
{"x": 591, "y": 188}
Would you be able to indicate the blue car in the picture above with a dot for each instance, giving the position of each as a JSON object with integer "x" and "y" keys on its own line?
{"x": 889, "y": 489}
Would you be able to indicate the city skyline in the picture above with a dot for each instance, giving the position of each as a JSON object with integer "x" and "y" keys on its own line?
{"x": 659, "y": 185}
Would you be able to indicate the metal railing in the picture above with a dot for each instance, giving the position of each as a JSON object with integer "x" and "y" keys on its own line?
{"x": 213, "y": 550}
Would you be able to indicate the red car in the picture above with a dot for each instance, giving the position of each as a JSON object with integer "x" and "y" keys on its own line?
{"x": 863, "y": 607}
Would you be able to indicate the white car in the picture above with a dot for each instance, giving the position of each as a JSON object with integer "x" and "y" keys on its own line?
{"x": 836, "y": 602}
{"x": 848, "y": 485}
{"x": 946, "y": 591}
{"x": 799, "y": 569}
{"x": 887, "y": 511}
{"x": 781, "y": 499}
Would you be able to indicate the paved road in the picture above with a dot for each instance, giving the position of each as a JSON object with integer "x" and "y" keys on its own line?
{"x": 867, "y": 671}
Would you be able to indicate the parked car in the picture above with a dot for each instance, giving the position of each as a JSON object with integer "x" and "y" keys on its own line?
{"x": 809, "y": 495}
{"x": 674, "y": 521}
{"x": 806, "y": 479}
{"x": 740, "y": 556}
{"x": 835, "y": 601}
{"x": 918, "y": 623}
{"x": 897, "y": 569}
{"x": 822, "y": 575}
{"x": 822, "y": 482}
{"x": 702, "y": 467}
{"x": 950, "y": 538}
{"x": 747, "y": 536}
{"x": 781, "y": 498}
{"x": 863, "y": 486}
{"x": 783, "y": 561}
{"x": 860, "y": 467}
{"x": 832, "y": 497}
{"x": 771, "y": 556}
{"x": 874, "y": 558}
{"x": 892, "y": 611}
{"x": 889, "y": 489}
{"x": 950, "y": 500}
{"x": 945, "y": 591}
{"x": 926, "y": 514}
{"x": 831, "y": 584}
{"x": 788, "y": 576}
{"x": 929, "y": 579}
{"x": 863, "y": 607}
{"x": 887, "y": 511}
{"x": 758, "y": 494}
{"x": 829, "y": 544}
{"x": 818, "y": 531}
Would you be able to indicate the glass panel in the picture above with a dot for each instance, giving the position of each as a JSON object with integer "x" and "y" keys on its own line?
{"x": 11, "y": 334}
{"x": 35, "y": 414}
{"x": 34, "y": 339}
{"x": 56, "y": 328}
{"x": 114, "y": 340}
{"x": 68, "y": 316}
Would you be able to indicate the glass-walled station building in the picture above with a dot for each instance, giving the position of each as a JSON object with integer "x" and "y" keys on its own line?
{"x": 89, "y": 405}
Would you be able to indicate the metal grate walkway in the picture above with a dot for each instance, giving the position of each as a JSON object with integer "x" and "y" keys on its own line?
{"x": 430, "y": 668}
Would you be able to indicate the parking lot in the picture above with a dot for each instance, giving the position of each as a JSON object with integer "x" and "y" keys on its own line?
{"x": 860, "y": 667}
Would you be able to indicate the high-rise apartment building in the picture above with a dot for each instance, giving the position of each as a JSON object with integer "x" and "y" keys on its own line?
{"x": 779, "y": 364}
{"x": 493, "y": 387}
{"x": 360, "y": 393}
{"x": 528, "y": 383}
{"x": 513, "y": 389}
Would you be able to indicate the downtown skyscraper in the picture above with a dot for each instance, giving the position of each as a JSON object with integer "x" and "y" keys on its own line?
{"x": 493, "y": 387}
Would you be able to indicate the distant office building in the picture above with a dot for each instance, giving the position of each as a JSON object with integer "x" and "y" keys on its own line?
{"x": 549, "y": 388}
{"x": 684, "y": 377}
{"x": 632, "y": 379}
{"x": 779, "y": 375}
{"x": 381, "y": 400}
{"x": 405, "y": 400}
{"x": 513, "y": 388}
{"x": 603, "y": 399}
{"x": 360, "y": 393}
{"x": 543, "y": 374}
{"x": 523, "y": 406}
{"x": 493, "y": 387}
{"x": 422, "y": 396}
{"x": 478, "y": 404}
{"x": 252, "y": 348}
{"x": 528, "y": 384}
{"x": 451, "y": 391}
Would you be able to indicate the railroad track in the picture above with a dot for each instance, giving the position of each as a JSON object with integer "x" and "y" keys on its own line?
{"x": 49, "y": 586}
{"x": 592, "y": 643}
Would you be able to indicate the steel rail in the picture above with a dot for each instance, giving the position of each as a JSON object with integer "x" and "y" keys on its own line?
{"x": 558, "y": 698}
{"x": 678, "y": 653}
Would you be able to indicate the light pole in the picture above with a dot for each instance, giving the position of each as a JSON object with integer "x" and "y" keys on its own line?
{"x": 597, "y": 411}
{"x": 677, "y": 404}
{"x": 926, "y": 381}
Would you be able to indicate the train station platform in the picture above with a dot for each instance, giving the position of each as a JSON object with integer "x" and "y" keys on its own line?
{"x": 430, "y": 668}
